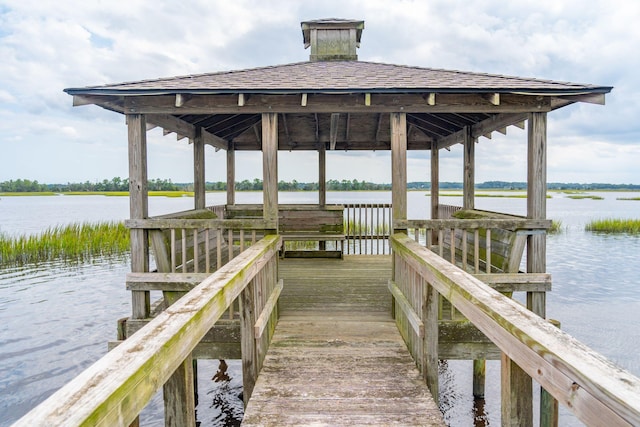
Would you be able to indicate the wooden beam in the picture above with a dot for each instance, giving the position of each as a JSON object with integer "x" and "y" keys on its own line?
{"x": 378, "y": 128}
{"x": 431, "y": 99}
{"x": 303, "y": 100}
{"x": 289, "y": 142}
{"x": 487, "y": 126}
{"x": 333, "y": 133}
{"x": 214, "y": 141}
{"x": 336, "y": 103}
{"x": 317, "y": 128}
{"x": 493, "y": 98}
{"x": 109, "y": 102}
{"x": 399, "y": 165}
{"x": 199, "y": 171}
{"x": 138, "y": 208}
{"x": 182, "y": 99}
{"x": 231, "y": 176}
{"x": 346, "y": 131}
{"x": 242, "y": 98}
{"x": 270, "y": 166}
{"x": 590, "y": 98}
{"x": 469, "y": 171}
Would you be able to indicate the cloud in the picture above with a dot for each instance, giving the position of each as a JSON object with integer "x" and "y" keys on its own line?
{"x": 48, "y": 46}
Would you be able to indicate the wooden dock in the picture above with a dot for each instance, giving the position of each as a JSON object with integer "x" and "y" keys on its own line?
{"x": 337, "y": 357}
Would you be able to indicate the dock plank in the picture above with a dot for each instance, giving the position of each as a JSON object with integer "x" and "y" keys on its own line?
{"x": 336, "y": 357}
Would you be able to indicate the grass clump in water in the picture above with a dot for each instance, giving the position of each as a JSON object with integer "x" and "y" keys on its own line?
{"x": 556, "y": 227}
{"x": 585, "y": 196}
{"x": 614, "y": 225}
{"x": 76, "y": 241}
{"x": 637, "y": 199}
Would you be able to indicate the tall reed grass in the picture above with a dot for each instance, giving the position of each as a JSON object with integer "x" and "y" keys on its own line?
{"x": 614, "y": 225}
{"x": 76, "y": 241}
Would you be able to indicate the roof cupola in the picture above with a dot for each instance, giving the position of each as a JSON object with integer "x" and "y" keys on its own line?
{"x": 332, "y": 39}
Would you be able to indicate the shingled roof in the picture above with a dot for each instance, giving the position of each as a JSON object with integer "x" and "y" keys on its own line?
{"x": 336, "y": 100}
{"x": 341, "y": 76}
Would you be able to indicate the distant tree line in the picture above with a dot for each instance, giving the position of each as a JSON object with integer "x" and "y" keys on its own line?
{"x": 122, "y": 184}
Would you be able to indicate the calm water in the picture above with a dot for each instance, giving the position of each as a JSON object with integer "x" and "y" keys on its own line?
{"x": 55, "y": 319}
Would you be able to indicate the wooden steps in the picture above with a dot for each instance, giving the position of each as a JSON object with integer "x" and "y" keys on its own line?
{"x": 336, "y": 357}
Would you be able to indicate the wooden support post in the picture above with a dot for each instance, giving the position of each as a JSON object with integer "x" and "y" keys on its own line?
{"x": 179, "y": 403}
{"x": 479, "y": 374}
{"x": 435, "y": 180}
{"x": 517, "y": 387}
{"x": 231, "y": 176}
{"x": 516, "y": 390}
{"x": 548, "y": 405}
{"x": 270, "y": 165}
{"x": 469, "y": 170}
{"x": 322, "y": 175}
{"x": 199, "y": 191}
{"x": 399, "y": 165}
{"x": 430, "y": 352}
{"x": 247, "y": 341}
{"x": 138, "y": 208}
{"x": 468, "y": 202}
{"x": 322, "y": 183}
{"x": 537, "y": 204}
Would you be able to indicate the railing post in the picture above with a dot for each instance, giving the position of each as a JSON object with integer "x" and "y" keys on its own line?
{"x": 430, "y": 343}
{"x": 247, "y": 340}
{"x": 179, "y": 399}
{"x": 548, "y": 405}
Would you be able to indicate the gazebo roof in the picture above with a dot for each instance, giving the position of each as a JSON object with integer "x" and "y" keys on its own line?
{"x": 341, "y": 103}
{"x": 341, "y": 76}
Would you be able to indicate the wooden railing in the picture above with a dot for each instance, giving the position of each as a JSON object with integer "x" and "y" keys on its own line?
{"x": 116, "y": 388}
{"x": 367, "y": 228}
{"x": 594, "y": 389}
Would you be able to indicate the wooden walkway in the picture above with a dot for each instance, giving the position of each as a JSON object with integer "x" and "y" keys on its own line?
{"x": 336, "y": 357}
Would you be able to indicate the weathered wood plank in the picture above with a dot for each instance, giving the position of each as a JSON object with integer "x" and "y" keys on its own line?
{"x": 405, "y": 306}
{"x": 323, "y": 367}
{"x": 335, "y": 103}
{"x": 264, "y": 317}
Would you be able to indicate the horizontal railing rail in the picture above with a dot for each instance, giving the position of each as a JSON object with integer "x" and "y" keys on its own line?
{"x": 115, "y": 389}
{"x": 597, "y": 391}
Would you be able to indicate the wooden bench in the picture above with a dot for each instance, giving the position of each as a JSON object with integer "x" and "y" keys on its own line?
{"x": 495, "y": 250}
{"x": 303, "y": 223}
{"x": 312, "y": 223}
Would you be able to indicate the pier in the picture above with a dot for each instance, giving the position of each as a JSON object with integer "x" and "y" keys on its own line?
{"x": 340, "y": 313}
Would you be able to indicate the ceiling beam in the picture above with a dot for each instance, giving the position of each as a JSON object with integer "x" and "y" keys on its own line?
{"x": 483, "y": 128}
{"x": 333, "y": 133}
{"x": 171, "y": 124}
{"x": 336, "y": 103}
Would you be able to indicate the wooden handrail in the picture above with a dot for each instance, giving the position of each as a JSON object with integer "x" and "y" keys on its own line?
{"x": 116, "y": 388}
{"x": 596, "y": 390}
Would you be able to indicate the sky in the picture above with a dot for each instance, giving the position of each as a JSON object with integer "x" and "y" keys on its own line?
{"x": 48, "y": 46}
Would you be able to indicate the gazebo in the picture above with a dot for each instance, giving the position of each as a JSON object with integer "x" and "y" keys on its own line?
{"x": 336, "y": 102}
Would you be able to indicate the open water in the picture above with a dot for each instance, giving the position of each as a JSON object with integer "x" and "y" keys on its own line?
{"x": 56, "y": 318}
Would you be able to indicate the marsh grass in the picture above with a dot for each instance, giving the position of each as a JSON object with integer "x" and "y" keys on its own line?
{"x": 637, "y": 199}
{"x": 73, "y": 242}
{"x": 614, "y": 225}
{"x": 584, "y": 196}
{"x": 556, "y": 227}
